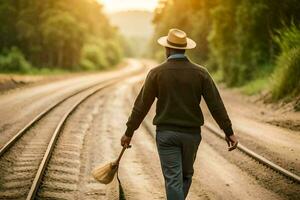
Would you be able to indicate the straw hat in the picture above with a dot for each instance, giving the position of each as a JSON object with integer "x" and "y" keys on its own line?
{"x": 177, "y": 39}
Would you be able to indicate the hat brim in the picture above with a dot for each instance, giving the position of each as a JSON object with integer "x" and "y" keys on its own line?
{"x": 191, "y": 44}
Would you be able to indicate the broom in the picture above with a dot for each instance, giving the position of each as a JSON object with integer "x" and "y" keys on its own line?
{"x": 106, "y": 173}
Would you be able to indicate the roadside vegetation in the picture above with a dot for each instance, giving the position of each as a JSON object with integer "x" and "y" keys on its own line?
{"x": 62, "y": 35}
{"x": 250, "y": 44}
{"x": 286, "y": 77}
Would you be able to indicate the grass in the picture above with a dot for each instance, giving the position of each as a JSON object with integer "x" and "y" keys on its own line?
{"x": 40, "y": 72}
{"x": 256, "y": 86}
{"x": 217, "y": 76}
{"x": 53, "y": 71}
{"x": 286, "y": 81}
{"x": 253, "y": 87}
{"x": 47, "y": 71}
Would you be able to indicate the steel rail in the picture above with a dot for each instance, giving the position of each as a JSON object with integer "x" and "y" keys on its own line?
{"x": 245, "y": 150}
{"x": 43, "y": 165}
{"x": 21, "y": 132}
{"x": 256, "y": 156}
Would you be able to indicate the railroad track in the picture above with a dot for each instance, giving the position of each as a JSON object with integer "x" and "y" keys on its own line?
{"x": 19, "y": 134}
{"x": 245, "y": 150}
{"x": 256, "y": 156}
{"x": 42, "y": 165}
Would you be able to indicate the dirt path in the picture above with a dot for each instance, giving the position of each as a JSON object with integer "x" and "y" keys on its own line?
{"x": 279, "y": 114}
{"x": 10, "y": 82}
{"x": 139, "y": 171}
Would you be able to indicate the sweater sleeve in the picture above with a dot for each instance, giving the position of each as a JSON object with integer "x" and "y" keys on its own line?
{"x": 142, "y": 105}
{"x": 215, "y": 105}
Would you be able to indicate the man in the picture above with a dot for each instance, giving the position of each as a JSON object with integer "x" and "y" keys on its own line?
{"x": 178, "y": 85}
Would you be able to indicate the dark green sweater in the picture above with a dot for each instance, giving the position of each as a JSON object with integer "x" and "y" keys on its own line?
{"x": 178, "y": 85}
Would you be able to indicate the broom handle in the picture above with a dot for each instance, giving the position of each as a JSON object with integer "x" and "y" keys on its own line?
{"x": 121, "y": 154}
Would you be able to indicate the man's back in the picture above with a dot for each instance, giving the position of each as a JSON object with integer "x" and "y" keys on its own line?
{"x": 178, "y": 85}
{"x": 179, "y": 88}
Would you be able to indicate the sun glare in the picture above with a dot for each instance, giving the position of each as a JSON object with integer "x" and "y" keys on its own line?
{"x": 121, "y": 5}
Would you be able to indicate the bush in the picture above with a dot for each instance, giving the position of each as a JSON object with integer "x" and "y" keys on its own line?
{"x": 92, "y": 57}
{"x": 14, "y": 61}
{"x": 113, "y": 52}
{"x": 87, "y": 65}
{"x": 286, "y": 78}
{"x": 286, "y": 81}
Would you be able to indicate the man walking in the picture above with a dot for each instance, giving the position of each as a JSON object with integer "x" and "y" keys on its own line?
{"x": 178, "y": 84}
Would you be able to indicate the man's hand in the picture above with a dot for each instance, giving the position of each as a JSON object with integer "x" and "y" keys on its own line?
{"x": 232, "y": 142}
{"x": 125, "y": 141}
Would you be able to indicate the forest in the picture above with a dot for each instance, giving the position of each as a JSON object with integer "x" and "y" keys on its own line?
{"x": 65, "y": 34}
{"x": 250, "y": 44}
{"x": 244, "y": 43}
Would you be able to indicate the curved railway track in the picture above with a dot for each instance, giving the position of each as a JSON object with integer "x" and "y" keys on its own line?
{"x": 257, "y": 157}
{"x": 19, "y": 134}
{"x": 39, "y": 173}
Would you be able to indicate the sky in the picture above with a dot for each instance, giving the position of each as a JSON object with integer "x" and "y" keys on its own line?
{"x": 121, "y": 5}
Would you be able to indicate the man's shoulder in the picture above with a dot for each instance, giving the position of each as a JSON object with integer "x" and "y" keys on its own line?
{"x": 158, "y": 68}
{"x": 192, "y": 65}
{"x": 200, "y": 68}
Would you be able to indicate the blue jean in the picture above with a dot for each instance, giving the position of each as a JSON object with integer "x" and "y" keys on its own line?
{"x": 177, "y": 153}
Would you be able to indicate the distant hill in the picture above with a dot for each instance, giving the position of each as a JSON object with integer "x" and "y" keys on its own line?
{"x": 133, "y": 23}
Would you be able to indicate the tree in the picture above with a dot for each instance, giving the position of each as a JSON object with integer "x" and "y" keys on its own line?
{"x": 53, "y": 33}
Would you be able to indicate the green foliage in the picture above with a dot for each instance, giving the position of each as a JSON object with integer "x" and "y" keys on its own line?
{"x": 256, "y": 86}
{"x": 235, "y": 38}
{"x": 93, "y": 58}
{"x": 8, "y": 13}
{"x": 240, "y": 40}
{"x": 252, "y": 36}
{"x": 286, "y": 81}
{"x": 52, "y": 34}
{"x": 222, "y": 41}
{"x": 63, "y": 35}
{"x": 87, "y": 65}
{"x": 113, "y": 52}
{"x": 14, "y": 61}
{"x": 174, "y": 14}
{"x": 288, "y": 38}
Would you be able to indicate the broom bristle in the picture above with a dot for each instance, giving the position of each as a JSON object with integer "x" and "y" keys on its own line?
{"x": 105, "y": 173}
